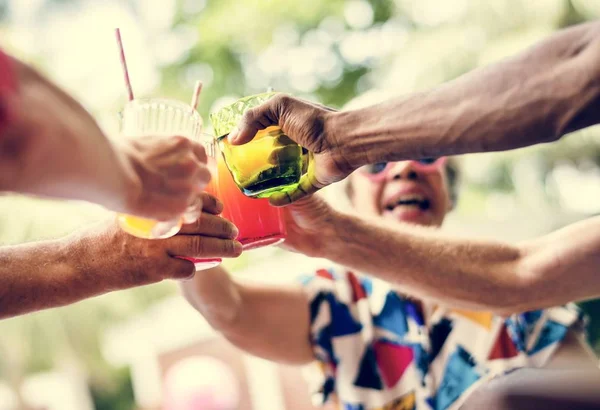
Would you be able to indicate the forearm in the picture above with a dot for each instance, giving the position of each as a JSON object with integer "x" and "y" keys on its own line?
{"x": 425, "y": 263}
{"x": 552, "y": 270}
{"x": 46, "y": 274}
{"x": 266, "y": 321}
{"x": 214, "y": 294}
{"x": 537, "y": 96}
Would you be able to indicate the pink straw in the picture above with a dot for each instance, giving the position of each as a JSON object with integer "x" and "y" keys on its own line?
{"x": 197, "y": 91}
{"x": 124, "y": 65}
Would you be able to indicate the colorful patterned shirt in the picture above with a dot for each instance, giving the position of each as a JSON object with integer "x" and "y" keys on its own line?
{"x": 376, "y": 350}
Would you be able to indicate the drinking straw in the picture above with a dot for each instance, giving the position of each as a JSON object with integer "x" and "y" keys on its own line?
{"x": 124, "y": 65}
{"x": 196, "y": 95}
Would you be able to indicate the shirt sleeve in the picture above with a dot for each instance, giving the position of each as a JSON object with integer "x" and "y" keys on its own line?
{"x": 8, "y": 84}
{"x": 539, "y": 333}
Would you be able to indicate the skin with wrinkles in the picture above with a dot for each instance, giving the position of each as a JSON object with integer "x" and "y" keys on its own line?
{"x": 102, "y": 258}
{"x": 537, "y": 96}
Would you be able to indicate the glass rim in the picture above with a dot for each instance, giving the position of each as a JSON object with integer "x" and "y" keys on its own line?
{"x": 222, "y": 115}
{"x": 246, "y": 98}
{"x": 166, "y": 101}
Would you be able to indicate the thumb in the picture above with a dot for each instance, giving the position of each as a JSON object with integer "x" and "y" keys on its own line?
{"x": 307, "y": 186}
{"x": 254, "y": 120}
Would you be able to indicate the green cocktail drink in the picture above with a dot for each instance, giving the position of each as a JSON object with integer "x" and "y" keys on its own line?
{"x": 270, "y": 163}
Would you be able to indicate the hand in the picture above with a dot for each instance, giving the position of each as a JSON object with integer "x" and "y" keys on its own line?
{"x": 134, "y": 262}
{"x": 170, "y": 174}
{"x": 308, "y": 223}
{"x": 53, "y": 147}
{"x": 307, "y": 124}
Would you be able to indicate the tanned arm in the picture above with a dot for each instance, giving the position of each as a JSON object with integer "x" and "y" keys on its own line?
{"x": 102, "y": 258}
{"x": 537, "y": 96}
{"x": 266, "y": 321}
{"x": 494, "y": 276}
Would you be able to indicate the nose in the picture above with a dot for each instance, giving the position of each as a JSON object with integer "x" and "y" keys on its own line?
{"x": 403, "y": 170}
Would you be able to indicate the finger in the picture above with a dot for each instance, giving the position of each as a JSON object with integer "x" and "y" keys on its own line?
{"x": 200, "y": 152}
{"x": 201, "y": 178}
{"x": 177, "y": 166}
{"x": 172, "y": 145}
{"x": 306, "y": 187}
{"x": 197, "y": 246}
{"x": 164, "y": 206}
{"x": 254, "y": 120}
{"x": 211, "y": 225}
{"x": 211, "y": 204}
{"x": 192, "y": 184}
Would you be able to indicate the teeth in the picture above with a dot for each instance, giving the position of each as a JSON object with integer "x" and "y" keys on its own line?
{"x": 413, "y": 197}
{"x": 410, "y": 200}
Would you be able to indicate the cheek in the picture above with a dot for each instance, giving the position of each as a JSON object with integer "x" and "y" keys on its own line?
{"x": 366, "y": 197}
{"x": 442, "y": 195}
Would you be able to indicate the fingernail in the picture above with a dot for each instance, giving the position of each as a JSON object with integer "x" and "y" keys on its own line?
{"x": 234, "y": 232}
{"x": 233, "y": 135}
{"x": 237, "y": 247}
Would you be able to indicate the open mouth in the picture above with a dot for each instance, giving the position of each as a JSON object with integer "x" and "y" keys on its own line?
{"x": 414, "y": 201}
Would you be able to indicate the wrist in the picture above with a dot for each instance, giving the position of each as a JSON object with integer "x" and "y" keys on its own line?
{"x": 333, "y": 237}
{"x": 123, "y": 192}
{"x": 84, "y": 252}
{"x": 8, "y": 85}
{"x": 216, "y": 296}
{"x": 338, "y": 135}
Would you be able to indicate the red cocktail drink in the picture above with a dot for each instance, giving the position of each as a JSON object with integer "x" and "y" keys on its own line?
{"x": 259, "y": 223}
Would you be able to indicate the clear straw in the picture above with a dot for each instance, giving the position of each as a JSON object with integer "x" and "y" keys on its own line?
{"x": 197, "y": 91}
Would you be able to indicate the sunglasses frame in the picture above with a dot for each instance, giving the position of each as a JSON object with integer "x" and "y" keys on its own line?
{"x": 417, "y": 165}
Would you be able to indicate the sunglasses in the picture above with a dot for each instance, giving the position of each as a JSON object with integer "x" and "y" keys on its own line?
{"x": 379, "y": 170}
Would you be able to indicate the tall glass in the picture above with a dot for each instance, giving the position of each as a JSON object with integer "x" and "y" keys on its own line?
{"x": 259, "y": 223}
{"x": 270, "y": 163}
{"x": 158, "y": 117}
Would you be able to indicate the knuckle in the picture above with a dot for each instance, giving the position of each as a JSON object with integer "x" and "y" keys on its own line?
{"x": 186, "y": 271}
{"x": 188, "y": 166}
{"x": 204, "y": 174}
{"x": 208, "y": 201}
{"x": 197, "y": 225}
{"x": 182, "y": 142}
{"x": 200, "y": 150}
{"x": 197, "y": 245}
{"x": 281, "y": 100}
{"x": 228, "y": 248}
{"x": 252, "y": 114}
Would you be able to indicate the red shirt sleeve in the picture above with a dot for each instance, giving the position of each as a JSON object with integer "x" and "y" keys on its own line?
{"x": 8, "y": 84}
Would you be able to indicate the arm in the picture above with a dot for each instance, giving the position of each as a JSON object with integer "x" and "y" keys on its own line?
{"x": 475, "y": 274}
{"x": 103, "y": 259}
{"x": 537, "y": 96}
{"x": 270, "y": 322}
{"x": 51, "y": 146}
{"x": 466, "y": 273}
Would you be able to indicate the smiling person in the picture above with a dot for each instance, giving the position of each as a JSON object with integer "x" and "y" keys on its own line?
{"x": 373, "y": 345}
{"x": 537, "y": 96}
